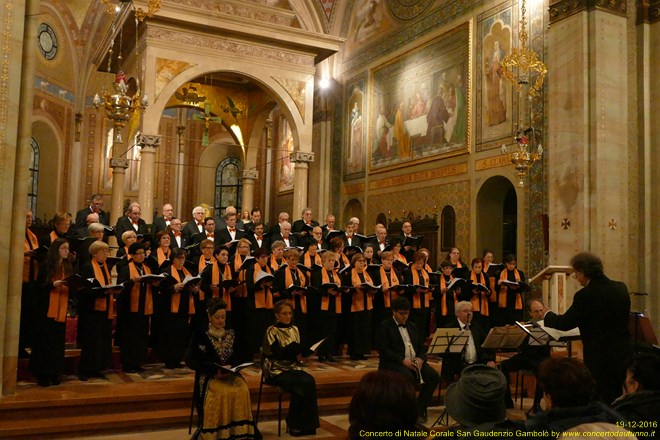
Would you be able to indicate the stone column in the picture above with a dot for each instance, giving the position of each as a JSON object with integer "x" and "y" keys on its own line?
{"x": 148, "y": 145}
{"x": 119, "y": 166}
{"x": 301, "y": 159}
{"x": 588, "y": 132}
{"x": 249, "y": 178}
{"x": 76, "y": 155}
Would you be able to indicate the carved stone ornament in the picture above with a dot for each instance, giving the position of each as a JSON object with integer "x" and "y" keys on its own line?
{"x": 296, "y": 90}
{"x": 648, "y": 11}
{"x": 237, "y": 48}
{"x": 118, "y": 162}
{"x": 302, "y": 156}
{"x": 250, "y": 174}
{"x": 149, "y": 140}
{"x": 560, "y": 9}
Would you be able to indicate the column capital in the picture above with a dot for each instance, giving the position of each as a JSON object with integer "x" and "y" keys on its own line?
{"x": 648, "y": 11}
{"x": 302, "y": 156}
{"x": 149, "y": 140}
{"x": 250, "y": 174}
{"x": 118, "y": 162}
{"x": 560, "y": 9}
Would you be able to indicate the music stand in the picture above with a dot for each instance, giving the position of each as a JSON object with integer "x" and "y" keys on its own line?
{"x": 447, "y": 341}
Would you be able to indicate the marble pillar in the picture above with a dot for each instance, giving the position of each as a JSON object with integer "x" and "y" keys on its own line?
{"x": 18, "y": 21}
{"x": 118, "y": 166}
{"x": 588, "y": 133}
{"x": 249, "y": 179}
{"x": 300, "y": 190}
{"x": 148, "y": 145}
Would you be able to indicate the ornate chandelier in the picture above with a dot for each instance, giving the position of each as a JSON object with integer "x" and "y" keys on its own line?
{"x": 526, "y": 72}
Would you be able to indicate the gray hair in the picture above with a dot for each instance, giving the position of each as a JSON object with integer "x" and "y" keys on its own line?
{"x": 462, "y": 305}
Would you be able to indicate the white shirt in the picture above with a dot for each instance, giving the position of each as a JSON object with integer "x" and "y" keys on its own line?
{"x": 471, "y": 350}
{"x": 407, "y": 342}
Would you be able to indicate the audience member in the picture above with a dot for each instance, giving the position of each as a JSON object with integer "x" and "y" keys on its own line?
{"x": 641, "y": 390}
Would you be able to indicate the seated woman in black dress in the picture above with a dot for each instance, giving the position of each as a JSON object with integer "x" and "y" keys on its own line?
{"x": 281, "y": 350}
{"x": 222, "y": 398}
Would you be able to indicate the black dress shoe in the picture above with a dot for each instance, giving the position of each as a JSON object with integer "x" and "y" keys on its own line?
{"x": 83, "y": 377}
{"x": 130, "y": 370}
{"x": 55, "y": 379}
{"x": 43, "y": 381}
{"x": 323, "y": 358}
{"x": 331, "y": 359}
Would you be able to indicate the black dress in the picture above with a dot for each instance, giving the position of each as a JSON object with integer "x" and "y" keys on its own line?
{"x": 133, "y": 317}
{"x": 280, "y": 347}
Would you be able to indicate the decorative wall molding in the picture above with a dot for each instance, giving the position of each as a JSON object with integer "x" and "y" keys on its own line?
{"x": 302, "y": 157}
{"x": 451, "y": 170}
{"x": 149, "y": 140}
{"x": 246, "y": 10}
{"x": 241, "y": 49}
{"x": 560, "y": 9}
{"x": 408, "y": 9}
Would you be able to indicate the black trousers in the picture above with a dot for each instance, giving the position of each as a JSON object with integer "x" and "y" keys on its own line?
{"x": 426, "y": 390}
{"x": 303, "y": 411}
{"x": 516, "y": 363}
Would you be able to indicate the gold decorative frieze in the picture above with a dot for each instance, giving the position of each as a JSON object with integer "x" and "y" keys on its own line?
{"x": 247, "y": 10}
{"x": 451, "y": 170}
{"x": 296, "y": 90}
{"x": 218, "y": 44}
{"x": 492, "y": 162}
{"x": 560, "y": 9}
{"x": 353, "y": 189}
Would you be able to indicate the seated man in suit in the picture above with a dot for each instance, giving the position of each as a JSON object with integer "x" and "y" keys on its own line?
{"x": 454, "y": 363}
{"x": 400, "y": 345}
{"x": 529, "y": 358}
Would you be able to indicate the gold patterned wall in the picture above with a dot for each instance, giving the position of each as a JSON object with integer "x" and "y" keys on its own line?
{"x": 427, "y": 202}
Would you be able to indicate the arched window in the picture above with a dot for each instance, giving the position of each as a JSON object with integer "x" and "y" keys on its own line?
{"x": 34, "y": 177}
{"x": 448, "y": 228}
{"x": 228, "y": 185}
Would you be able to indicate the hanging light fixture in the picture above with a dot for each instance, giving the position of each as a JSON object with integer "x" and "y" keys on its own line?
{"x": 526, "y": 72}
{"x": 153, "y": 6}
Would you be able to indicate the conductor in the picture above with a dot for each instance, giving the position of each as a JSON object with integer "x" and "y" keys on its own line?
{"x": 400, "y": 345}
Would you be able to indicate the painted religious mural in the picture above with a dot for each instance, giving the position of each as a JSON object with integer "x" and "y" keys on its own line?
{"x": 370, "y": 21}
{"x": 356, "y": 129}
{"x": 420, "y": 103}
{"x": 494, "y": 94}
{"x": 284, "y": 150}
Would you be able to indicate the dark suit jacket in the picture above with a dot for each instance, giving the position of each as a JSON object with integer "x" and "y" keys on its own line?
{"x": 158, "y": 225}
{"x": 81, "y": 218}
{"x": 298, "y": 225}
{"x": 452, "y": 363}
{"x": 174, "y": 244}
{"x": 222, "y": 235}
{"x": 124, "y": 224}
{"x": 354, "y": 240}
{"x": 601, "y": 311}
{"x": 254, "y": 246}
{"x": 190, "y": 229}
{"x": 390, "y": 345}
{"x": 293, "y": 240}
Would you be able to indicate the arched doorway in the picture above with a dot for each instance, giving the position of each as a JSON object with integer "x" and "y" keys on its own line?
{"x": 497, "y": 217}
{"x": 353, "y": 208}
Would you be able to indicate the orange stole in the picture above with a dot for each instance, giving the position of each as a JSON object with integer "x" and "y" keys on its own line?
{"x": 401, "y": 258}
{"x": 241, "y": 290}
{"x": 417, "y": 301}
{"x": 443, "y": 296}
{"x": 107, "y": 303}
{"x": 307, "y": 260}
{"x": 273, "y": 263}
{"x": 357, "y": 302}
{"x": 263, "y": 298}
{"x": 288, "y": 280}
{"x": 215, "y": 276}
{"x": 491, "y": 284}
{"x": 53, "y": 236}
{"x": 30, "y": 243}
{"x": 394, "y": 281}
{"x": 59, "y": 299}
{"x": 344, "y": 259}
{"x": 503, "y": 290}
{"x": 479, "y": 301}
{"x": 325, "y": 299}
{"x": 135, "y": 291}
{"x": 176, "y": 296}
{"x": 162, "y": 256}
